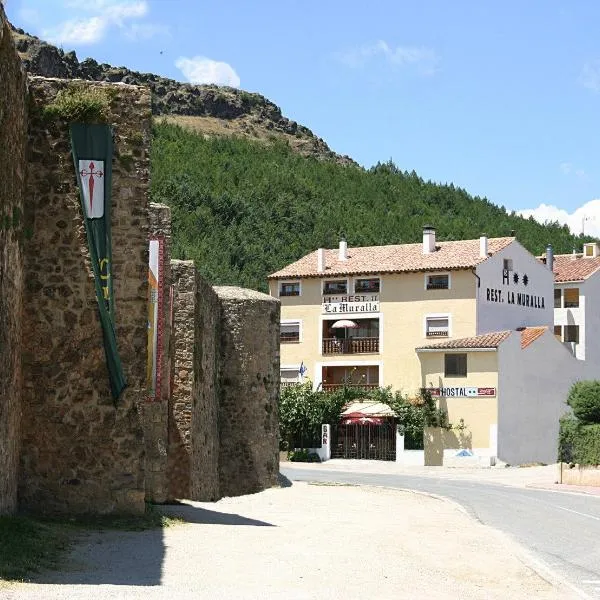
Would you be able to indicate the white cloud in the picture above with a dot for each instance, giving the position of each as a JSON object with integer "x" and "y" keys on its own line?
{"x": 587, "y": 216}
{"x": 200, "y": 69}
{"x": 567, "y": 168}
{"x": 145, "y": 31}
{"x": 101, "y": 16}
{"x": 424, "y": 59}
{"x": 590, "y": 76}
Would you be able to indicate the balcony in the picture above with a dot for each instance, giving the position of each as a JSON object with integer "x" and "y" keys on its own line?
{"x": 366, "y": 345}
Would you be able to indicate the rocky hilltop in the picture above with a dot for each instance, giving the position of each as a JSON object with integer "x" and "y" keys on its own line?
{"x": 208, "y": 109}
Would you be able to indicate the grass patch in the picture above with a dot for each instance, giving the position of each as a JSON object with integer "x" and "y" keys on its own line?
{"x": 29, "y": 545}
{"x": 79, "y": 103}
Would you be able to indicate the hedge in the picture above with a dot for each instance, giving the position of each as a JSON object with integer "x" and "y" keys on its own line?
{"x": 579, "y": 443}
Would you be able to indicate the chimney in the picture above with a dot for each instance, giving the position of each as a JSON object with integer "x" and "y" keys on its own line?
{"x": 428, "y": 239}
{"x": 343, "y": 253}
{"x": 321, "y": 260}
{"x": 549, "y": 257}
{"x": 574, "y": 254}
{"x": 483, "y": 246}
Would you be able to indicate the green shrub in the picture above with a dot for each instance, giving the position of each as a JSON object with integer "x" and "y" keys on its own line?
{"x": 303, "y": 456}
{"x": 79, "y": 103}
{"x": 584, "y": 399}
{"x": 579, "y": 443}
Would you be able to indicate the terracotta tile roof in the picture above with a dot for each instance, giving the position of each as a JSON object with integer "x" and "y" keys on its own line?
{"x": 486, "y": 340}
{"x": 566, "y": 268}
{"x": 530, "y": 334}
{"x": 403, "y": 258}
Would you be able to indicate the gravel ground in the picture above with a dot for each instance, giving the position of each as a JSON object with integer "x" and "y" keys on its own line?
{"x": 301, "y": 542}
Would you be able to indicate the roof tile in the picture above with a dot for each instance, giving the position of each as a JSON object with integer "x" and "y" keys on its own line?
{"x": 486, "y": 340}
{"x": 574, "y": 267}
{"x": 403, "y": 258}
{"x": 530, "y": 334}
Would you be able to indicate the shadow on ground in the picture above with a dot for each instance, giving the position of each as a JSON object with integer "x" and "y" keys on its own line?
{"x": 132, "y": 557}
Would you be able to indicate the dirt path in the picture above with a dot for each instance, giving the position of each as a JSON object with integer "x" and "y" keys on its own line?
{"x": 305, "y": 541}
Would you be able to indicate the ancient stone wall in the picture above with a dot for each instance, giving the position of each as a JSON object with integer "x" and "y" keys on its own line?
{"x": 81, "y": 453}
{"x": 204, "y": 473}
{"x": 248, "y": 391}
{"x": 13, "y": 136}
{"x": 154, "y": 409}
{"x": 183, "y": 276}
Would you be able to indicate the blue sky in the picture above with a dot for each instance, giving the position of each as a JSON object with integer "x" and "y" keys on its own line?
{"x": 500, "y": 98}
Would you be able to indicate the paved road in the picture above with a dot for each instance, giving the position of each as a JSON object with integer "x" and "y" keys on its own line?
{"x": 562, "y": 530}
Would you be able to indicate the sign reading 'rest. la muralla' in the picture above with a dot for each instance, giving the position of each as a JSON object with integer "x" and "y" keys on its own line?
{"x": 357, "y": 303}
{"x": 513, "y": 296}
{"x": 92, "y": 184}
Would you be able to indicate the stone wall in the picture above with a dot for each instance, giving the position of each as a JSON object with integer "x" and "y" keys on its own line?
{"x": 80, "y": 452}
{"x": 204, "y": 474}
{"x": 183, "y": 276}
{"x": 154, "y": 410}
{"x": 248, "y": 391}
{"x": 223, "y": 413}
{"x": 13, "y": 135}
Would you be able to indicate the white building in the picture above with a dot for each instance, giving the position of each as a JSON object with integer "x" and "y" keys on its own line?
{"x": 576, "y": 303}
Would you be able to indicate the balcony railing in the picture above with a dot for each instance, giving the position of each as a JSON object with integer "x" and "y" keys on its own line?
{"x": 332, "y": 387}
{"x": 351, "y": 346}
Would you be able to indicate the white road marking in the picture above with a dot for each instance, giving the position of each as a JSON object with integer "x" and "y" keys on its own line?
{"x": 578, "y": 513}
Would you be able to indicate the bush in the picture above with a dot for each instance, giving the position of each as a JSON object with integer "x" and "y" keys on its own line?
{"x": 579, "y": 443}
{"x": 303, "y": 456}
{"x": 80, "y": 104}
{"x": 584, "y": 399}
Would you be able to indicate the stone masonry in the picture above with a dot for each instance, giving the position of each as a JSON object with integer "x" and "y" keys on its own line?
{"x": 66, "y": 446}
{"x": 223, "y": 413}
{"x": 80, "y": 452}
{"x": 154, "y": 411}
{"x": 249, "y": 391}
{"x": 13, "y": 129}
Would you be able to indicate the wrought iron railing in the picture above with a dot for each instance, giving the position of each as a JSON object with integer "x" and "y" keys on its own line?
{"x": 368, "y": 345}
{"x": 332, "y": 387}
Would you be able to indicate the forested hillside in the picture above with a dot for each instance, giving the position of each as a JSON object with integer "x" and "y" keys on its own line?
{"x": 242, "y": 209}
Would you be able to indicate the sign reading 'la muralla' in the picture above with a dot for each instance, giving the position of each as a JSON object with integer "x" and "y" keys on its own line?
{"x": 357, "y": 303}
{"x": 508, "y": 296}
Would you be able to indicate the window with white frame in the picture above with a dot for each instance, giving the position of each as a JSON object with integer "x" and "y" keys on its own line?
{"x": 571, "y": 298}
{"x": 289, "y": 375}
{"x": 369, "y": 285}
{"x": 289, "y": 332}
{"x": 438, "y": 326}
{"x": 437, "y": 281}
{"x": 335, "y": 286}
{"x": 508, "y": 264}
{"x": 571, "y": 333}
{"x": 289, "y": 288}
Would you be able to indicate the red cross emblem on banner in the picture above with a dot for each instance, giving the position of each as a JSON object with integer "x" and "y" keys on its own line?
{"x": 92, "y": 184}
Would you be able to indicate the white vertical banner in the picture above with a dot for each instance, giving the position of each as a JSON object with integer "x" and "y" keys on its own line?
{"x": 92, "y": 187}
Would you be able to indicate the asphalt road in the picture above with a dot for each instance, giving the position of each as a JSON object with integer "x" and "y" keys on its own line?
{"x": 562, "y": 530}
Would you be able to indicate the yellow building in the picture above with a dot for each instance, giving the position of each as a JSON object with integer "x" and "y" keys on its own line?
{"x": 471, "y": 320}
{"x": 398, "y": 298}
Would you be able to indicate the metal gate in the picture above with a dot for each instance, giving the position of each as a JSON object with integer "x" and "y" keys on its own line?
{"x": 374, "y": 442}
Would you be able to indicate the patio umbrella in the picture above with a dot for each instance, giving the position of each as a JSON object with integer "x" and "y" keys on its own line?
{"x": 344, "y": 324}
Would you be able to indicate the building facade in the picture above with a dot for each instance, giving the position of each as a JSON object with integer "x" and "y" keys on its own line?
{"x": 354, "y": 316}
{"x": 576, "y": 297}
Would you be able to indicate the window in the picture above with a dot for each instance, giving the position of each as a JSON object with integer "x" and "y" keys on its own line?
{"x": 437, "y": 326}
{"x": 336, "y": 286}
{"x": 455, "y": 365}
{"x": 289, "y": 288}
{"x": 557, "y": 298}
{"x": 571, "y": 333}
{"x": 289, "y": 332}
{"x": 571, "y": 297}
{"x": 370, "y": 286}
{"x": 558, "y": 332}
{"x": 437, "y": 282}
{"x": 508, "y": 264}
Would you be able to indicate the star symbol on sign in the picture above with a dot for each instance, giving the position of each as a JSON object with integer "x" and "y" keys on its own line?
{"x": 516, "y": 278}
{"x": 525, "y": 280}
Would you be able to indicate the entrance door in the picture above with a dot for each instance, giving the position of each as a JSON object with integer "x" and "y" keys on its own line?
{"x": 372, "y": 442}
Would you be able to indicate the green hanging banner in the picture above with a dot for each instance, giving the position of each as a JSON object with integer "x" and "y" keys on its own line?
{"x": 92, "y": 157}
